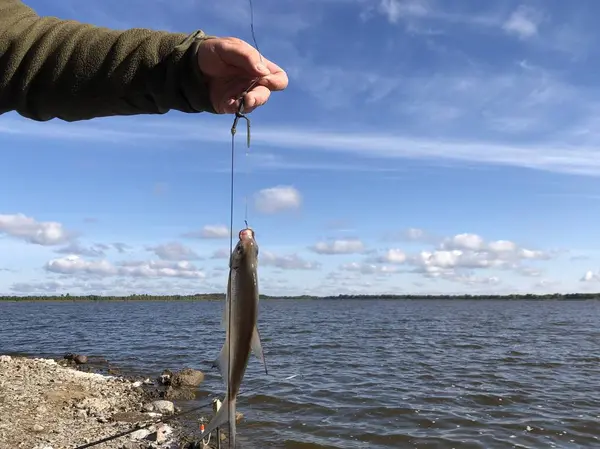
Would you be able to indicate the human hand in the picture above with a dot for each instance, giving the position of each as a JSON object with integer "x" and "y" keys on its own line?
{"x": 230, "y": 66}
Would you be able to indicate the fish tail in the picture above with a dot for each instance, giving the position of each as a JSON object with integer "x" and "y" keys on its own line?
{"x": 221, "y": 418}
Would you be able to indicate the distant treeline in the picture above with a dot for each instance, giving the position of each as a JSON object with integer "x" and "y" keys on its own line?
{"x": 221, "y": 296}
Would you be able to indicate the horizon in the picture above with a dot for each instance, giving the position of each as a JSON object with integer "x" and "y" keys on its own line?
{"x": 420, "y": 147}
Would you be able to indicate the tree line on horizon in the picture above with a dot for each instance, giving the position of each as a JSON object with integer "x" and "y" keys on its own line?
{"x": 221, "y": 296}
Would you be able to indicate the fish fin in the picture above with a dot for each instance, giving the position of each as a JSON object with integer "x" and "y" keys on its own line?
{"x": 257, "y": 348}
{"x": 221, "y": 418}
{"x": 222, "y": 362}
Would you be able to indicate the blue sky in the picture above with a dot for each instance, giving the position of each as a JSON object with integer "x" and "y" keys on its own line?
{"x": 421, "y": 147}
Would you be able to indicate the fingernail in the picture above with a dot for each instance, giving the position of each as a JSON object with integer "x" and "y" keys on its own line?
{"x": 262, "y": 69}
{"x": 230, "y": 101}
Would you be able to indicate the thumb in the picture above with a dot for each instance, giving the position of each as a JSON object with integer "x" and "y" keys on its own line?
{"x": 240, "y": 54}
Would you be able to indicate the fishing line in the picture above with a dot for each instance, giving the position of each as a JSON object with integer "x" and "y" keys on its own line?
{"x": 239, "y": 114}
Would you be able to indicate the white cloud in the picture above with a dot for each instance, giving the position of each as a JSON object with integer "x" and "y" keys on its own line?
{"x": 210, "y": 232}
{"x": 393, "y": 256}
{"x": 367, "y": 268}
{"x": 471, "y": 242}
{"x": 395, "y": 9}
{"x": 45, "y": 233}
{"x": 277, "y": 199}
{"x": 174, "y": 251}
{"x": 339, "y": 247}
{"x": 150, "y": 269}
{"x": 456, "y": 258}
{"x": 591, "y": 276}
{"x": 523, "y": 22}
{"x": 75, "y": 265}
{"x": 77, "y": 248}
{"x": 286, "y": 262}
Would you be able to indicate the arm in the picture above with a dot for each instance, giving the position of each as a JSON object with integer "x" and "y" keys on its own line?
{"x": 51, "y": 68}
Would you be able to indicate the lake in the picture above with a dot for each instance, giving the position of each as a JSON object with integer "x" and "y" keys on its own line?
{"x": 371, "y": 374}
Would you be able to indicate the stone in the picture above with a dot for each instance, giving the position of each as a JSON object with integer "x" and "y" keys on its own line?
{"x": 187, "y": 378}
{"x": 164, "y": 407}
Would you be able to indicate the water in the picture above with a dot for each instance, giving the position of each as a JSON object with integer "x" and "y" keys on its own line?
{"x": 376, "y": 374}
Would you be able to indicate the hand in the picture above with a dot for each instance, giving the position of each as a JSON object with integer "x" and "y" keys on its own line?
{"x": 231, "y": 65}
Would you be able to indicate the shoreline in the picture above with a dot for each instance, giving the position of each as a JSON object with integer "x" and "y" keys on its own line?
{"x": 209, "y": 297}
{"x": 50, "y": 404}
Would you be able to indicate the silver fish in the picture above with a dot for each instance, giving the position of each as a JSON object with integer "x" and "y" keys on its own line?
{"x": 241, "y": 307}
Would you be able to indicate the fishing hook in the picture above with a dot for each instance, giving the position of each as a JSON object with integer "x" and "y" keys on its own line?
{"x": 240, "y": 113}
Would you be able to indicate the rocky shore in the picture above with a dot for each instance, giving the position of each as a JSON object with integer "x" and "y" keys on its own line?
{"x": 44, "y": 405}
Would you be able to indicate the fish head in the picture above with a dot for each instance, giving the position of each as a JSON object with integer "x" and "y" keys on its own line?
{"x": 246, "y": 250}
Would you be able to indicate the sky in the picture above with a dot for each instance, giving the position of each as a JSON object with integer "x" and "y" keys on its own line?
{"x": 422, "y": 147}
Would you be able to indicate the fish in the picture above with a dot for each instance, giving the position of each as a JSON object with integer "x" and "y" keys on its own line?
{"x": 240, "y": 316}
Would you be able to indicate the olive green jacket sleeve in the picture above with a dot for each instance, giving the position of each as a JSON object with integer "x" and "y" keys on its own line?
{"x": 52, "y": 68}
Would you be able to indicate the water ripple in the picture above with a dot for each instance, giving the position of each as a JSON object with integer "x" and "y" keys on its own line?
{"x": 382, "y": 374}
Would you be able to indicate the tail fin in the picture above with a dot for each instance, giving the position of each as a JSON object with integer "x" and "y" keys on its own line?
{"x": 222, "y": 418}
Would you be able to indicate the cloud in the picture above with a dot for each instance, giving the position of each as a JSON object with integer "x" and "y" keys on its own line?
{"x": 210, "y": 232}
{"x": 221, "y": 254}
{"x": 366, "y": 268}
{"x": 77, "y": 249}
{"x": 277, "y": 199}
{"x": 120, "y": 247}
{"x": 569, "y": 146}
{"x": 174, "y": 251}
{"x": 591, "y": 276}
{"x": 456, "y": 259}
{"x": 37, "y": 287}
{"x": 45, "y": 233}
{"x": 393, "y": 256}
{"x": 286, "y": 262}
{"x": 94, "y": 250}
{"x": 75, "y": 265}
{"x": 349, "y": 246}
{"x": 470, "y": 251}
{"x": 523, "y": 22}
{"x": 395, "y": 9}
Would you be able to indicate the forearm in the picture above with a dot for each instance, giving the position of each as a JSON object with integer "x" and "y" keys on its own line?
{"x": 60, "y": 68}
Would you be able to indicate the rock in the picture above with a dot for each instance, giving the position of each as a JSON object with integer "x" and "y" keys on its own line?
{"x": 161, "y": 435}
{"x": 139, "y": 434}
{"x": 187, "y": 378}
{"x": 182, "y": 394}
{"x": 5, "y": 358}
{"x": 148, "y": 407}
{"x": 80, "y": 359}
{"x": 165, "y": 377}
{"x": 164, "y": 407}
{"x": 44, "y": 405}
